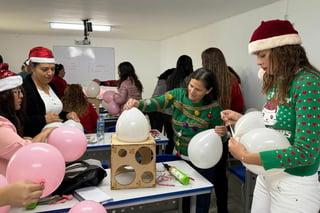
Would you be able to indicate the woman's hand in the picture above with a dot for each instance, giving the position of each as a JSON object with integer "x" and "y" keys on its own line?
{"x": 237, "y": 149}
{"x": 73, "y": 116}
{"x": 97, "y": 81}
{"x": 220, "y": 130}
{"x": 131, "y": 103}
{"x": 52, "y": 117}
{"x": 230, "y": 117}
{"x": 43, "y": 135}
{"x": 21, "y": 193}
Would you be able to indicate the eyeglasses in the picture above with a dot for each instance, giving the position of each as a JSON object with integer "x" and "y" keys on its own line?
{"x": 17, "y": 91}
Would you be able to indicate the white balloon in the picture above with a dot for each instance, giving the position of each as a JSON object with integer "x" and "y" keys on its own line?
{"x": 263, "y": 139}
{"x": 249, "y": 121}
{"x": 92, "y": 89}
{"x": 132, "y": 126}
{"x": 53, "y": 124}
{"x": 73, "y": 123}
{"x": 205, "y": 149}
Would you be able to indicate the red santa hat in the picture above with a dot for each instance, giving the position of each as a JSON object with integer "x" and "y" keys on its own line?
{"x": 41, "y": 55}
{"x": 271, "y": 34}
{"x": 8, "y": 79}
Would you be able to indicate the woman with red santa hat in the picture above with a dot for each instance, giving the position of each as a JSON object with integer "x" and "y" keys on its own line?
{"x": 43, "y": 103}
{"x": 291, "y": 85}
{"x": 23, "y": 192}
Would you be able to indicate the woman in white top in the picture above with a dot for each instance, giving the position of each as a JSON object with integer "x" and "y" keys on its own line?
{"x": 43, "y": 103}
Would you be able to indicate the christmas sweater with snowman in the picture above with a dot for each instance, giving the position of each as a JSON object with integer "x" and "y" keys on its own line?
{"x": 188, "y": 118}
{"x": 298, "y": 119}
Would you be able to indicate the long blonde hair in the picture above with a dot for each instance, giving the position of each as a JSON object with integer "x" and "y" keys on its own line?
{"x": 285, "y": 62}
{"x": 214, "y": 60}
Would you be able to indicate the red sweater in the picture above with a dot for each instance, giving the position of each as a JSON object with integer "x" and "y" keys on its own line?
{"x": 89, "y": 121}
{"x": 60, "y": 85}
{"x": 237, "y": 103}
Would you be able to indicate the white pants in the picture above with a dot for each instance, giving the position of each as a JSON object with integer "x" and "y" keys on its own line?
{"x": 286, "y": 193}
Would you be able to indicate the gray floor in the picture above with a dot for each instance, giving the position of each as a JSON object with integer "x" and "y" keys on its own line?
{"x": 235, "y": 203}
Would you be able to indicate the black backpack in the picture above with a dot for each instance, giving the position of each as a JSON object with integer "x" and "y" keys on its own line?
{"x": 81, "y": 174}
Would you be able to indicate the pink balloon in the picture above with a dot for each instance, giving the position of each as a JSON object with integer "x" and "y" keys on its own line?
{"x": 70, "y": 141}
{"x": 88, "y": 206}
{"x": 108, "y": 96}
{"x": 3, "y": 182}
{"x": 113, "y": 108}
{"x": 39, "y": 163}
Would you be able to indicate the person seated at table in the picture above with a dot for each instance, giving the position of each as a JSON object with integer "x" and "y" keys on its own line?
{"x": 11, "y": 113}
{"x": 58, "y": 80}
{"x": 20, "y": 193}
{"x": 129, "y": 85}
{"x": 195, "y": 109}
{"x": 74, "y": 100}
{"x": 43, "y": 103}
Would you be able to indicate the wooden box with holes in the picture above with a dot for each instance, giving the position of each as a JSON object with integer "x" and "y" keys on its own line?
{"x": 133, "y": 164}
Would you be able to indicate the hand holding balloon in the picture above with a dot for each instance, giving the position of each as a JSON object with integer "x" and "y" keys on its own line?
{"x": 37, "y": 162}
{"x": 220, "y": 130}
{"x": 230, "y": 117}
{"x": 22, "y": 193}
{"x": 131, "y": 103}
{"x": 52, "y": 117}
{"x": 259, "y": 140}
{"x": 237, "y": 149}
{"x": 73, "y": 116}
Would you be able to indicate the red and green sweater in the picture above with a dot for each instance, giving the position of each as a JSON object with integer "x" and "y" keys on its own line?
{"x": 188, "y": 118}
{"x": 299, "y": 120}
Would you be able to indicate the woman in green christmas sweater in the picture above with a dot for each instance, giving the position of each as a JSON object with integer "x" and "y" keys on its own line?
{"x": 291, "y": 85}
{"x": 195, "y": 109}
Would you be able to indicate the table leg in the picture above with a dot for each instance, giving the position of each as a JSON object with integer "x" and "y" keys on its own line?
{"x": 193, "y": 201}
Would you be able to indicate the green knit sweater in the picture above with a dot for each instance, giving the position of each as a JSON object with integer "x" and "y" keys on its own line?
{"x": 188, "y": 118}
{"x": 298, "y": 120}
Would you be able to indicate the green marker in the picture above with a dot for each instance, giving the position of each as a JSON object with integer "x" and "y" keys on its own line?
{"x": 178, "y": 174}
{"x": 31, "y": 206}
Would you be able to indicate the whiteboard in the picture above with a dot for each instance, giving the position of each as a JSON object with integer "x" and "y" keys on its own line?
{"x": 83, "y": 64}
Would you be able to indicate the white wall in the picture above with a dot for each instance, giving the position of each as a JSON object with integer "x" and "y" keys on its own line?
{"x": 232, "y": 36}
{"x": 144, "y": 55}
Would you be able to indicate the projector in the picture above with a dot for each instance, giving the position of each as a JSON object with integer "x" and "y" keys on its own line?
{"x": 82, "y": 42}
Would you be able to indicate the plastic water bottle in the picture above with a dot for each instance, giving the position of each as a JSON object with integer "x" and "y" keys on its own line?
{"x": 100, "y": 128}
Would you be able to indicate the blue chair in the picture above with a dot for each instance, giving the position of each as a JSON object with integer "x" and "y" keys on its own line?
{"x": 239, "y": 171}
{"x": 166, "y": 157}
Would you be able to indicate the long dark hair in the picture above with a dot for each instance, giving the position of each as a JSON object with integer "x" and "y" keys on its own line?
{"x": 214, "y": 60}
{"x": 210, "y": 81}
{"x": 126, "y": 70}
{"x": 166, "y": 74}
{"x": 7, "y": 109}
{"x": 58, "y": 68}
{"x": 183, "y": 69}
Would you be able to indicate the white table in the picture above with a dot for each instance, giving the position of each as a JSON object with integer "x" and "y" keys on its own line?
{"x": 131, "y": 197}
{"x": 161, "y": 140}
